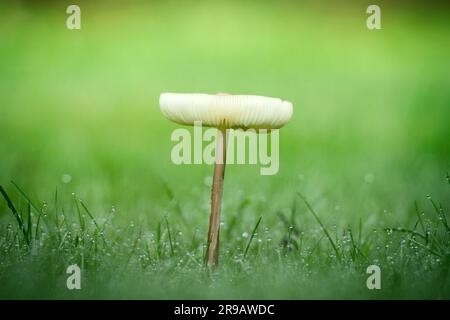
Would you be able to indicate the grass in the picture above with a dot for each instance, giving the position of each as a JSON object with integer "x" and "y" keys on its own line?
{"x": 363, "y": 162}
{"x": 144, "y": 262}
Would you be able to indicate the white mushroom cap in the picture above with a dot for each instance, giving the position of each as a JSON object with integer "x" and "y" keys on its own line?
{"x": 226, "y": 111}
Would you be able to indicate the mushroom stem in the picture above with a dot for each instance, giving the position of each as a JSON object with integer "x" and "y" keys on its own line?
{"x": 212, "y": 258}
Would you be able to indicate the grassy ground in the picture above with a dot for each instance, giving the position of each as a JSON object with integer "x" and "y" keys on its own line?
{"x": 82, "y": 138}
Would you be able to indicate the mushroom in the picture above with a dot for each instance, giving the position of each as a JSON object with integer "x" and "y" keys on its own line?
{"x": 223, "y": 111}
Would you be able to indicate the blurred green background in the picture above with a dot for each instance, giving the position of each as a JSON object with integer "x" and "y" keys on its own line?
{"x": 369, "y": 135}
{"x": 85, "y": 102}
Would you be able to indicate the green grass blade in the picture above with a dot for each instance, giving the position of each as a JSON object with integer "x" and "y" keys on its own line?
{"x": 93, "y": 220}
{"x": 80, "y": 217}
{"x": 36, "y": 231}
{"x": 321, "y": 224}
{"x": 440, "y": 214}
{"x": 90, "y": 215}
{"x": 315, "y": 246}
{"x": 158, "y": 239}
{"x": 419, "y": 217}
{"x": 38, "y": 211}
{"x": 29, "y": 231}
{"x": 170, "y": 237}
{"x": 427, "y": 248}
{"x": 352, "y": 241}
{"x": 251, "y": 238}
{"x": 14, "y": 211}
{"x": 56, "y": 208}
{"x": 404, "y": 230}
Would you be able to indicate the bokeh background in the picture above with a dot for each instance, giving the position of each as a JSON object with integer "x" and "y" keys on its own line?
{"x": 370, "y": 133}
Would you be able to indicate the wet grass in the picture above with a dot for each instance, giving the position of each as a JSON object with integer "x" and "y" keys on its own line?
{"x": 138, "y": 261}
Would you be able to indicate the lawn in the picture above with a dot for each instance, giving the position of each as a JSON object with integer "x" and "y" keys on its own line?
{"x": 87, "y": 177}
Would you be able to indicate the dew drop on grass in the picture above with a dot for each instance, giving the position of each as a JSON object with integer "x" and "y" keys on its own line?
{"x": 369, "y": 178}
{"x": 66, "y": 178}
{"x": 428, "y": 197}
